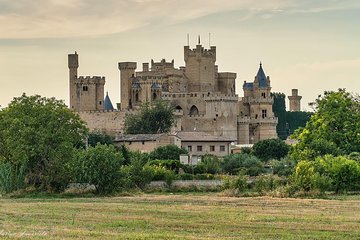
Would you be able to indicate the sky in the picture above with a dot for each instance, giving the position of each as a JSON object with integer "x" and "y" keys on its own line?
{"x": 311, "y": 45}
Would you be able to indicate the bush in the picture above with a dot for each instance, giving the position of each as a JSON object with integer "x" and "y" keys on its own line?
{"x": 163, "y": 174}
{"x": 172, "y": 152}
{"x": 172, "y": 165}
{"x": 344, "y": 172}
{"x": 208, "y": 164}
{"x": 11, "y": 177}
{"x": 306, "y": 178}
{"x": 270, "y": 149}
{"x": 233, "y": 163}
{"x": 267, "y": 183}
{"x": 284, "y": 167}
{"x": 95, "y": 138}
{"x": 186, "y": 176}
{"x": 138, "y": 174}
{"x": 204, "y": 176}
{"x": 100, "y": 166}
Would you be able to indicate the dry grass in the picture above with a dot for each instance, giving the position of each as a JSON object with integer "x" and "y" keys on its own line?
{"x": 179, "y": 217}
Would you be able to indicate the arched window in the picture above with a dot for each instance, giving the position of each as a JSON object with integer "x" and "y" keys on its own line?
{"x": 178, "y": 108}
{"x": 194, "y": 110}
{"x": 154, "y": 96}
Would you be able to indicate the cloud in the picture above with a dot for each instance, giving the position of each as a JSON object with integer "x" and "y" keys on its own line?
{"x": 76, "y": 18}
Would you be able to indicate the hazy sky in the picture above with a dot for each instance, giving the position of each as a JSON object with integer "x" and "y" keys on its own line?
{"x": 312, "y": 45}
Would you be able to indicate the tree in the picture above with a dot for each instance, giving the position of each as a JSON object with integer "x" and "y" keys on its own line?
{"x": 279, "y": 110}
{"x": 270, "y": 149}
{"x": 39, "y": 134}
{"x": 156, "y": 118}
{"x": 296, "y": 120}
{"x": 96, "y": 137}
{"x": 167, "y": 152}
{"x": 99, "y": 165}
{"x": 333, "y": 129}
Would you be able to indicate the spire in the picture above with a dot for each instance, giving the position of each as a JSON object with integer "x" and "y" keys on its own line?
{"x": 199, "y": 40}
{"x": 107, "y": 103}
{"x": 261, "y": 77}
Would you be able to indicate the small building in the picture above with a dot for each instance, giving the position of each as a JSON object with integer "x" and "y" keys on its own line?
{"x": 146, "y": 142}
{"x": 201, "y": 143}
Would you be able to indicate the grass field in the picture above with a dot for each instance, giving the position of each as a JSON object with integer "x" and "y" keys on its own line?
{"x": 179, "y": 217}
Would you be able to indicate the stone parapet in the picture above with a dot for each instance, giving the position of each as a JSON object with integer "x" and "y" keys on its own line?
{"x": 273, "y": 120}
{"x": 257, "y": 100}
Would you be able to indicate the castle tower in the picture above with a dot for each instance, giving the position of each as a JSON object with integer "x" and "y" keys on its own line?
{"x": 73, "y": 64}
{"x": 257, "y": 107}
{"x": 127, "y": 71}
{"x": 200, "y": 68}
{"x": 86, "y": 93}
{"x": 294, "y": 101}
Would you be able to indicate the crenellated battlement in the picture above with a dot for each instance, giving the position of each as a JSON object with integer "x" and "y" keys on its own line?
{"x": 199, "y": 51}
{"x": 90, "y": 78}
{"x": 162, "y": 65}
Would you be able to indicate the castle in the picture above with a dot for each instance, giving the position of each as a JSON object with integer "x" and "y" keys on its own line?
{"x": 204, "y": 98}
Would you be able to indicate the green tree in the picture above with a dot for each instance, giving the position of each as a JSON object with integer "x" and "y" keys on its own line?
{"x": 270, "y": 149}
{"x": 99, "y": 165}
{"x": 333, "y": 129}
{"x": 95, "y": 138}
{"x": 157, "y": 117}
{"x": 279, "y": 110}
{"x": 171, "y": 151}
{"x": 39, "y": 134}
{"x": 296, "y": 120}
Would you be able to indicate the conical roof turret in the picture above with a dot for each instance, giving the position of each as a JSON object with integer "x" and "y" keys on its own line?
{"x": 261, "y": 77}
{"x": 107, "y": 103}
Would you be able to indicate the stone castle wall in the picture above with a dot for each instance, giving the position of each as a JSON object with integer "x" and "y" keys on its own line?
{"x": 109, "y": 122}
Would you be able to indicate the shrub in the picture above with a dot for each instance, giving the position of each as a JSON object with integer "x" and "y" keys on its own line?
{"x": 95, "y": 138}
{"x": 233, "y": 163}
{"x": 186, "y": 176}
{"x": 171, "y": 151}
{"x": 270, "y": 149}
{"x": 208, "y": 164}
{"x": 306, "y": 178}
{"x": 11, "y": 177}
{"x": 99, "y": 166}
{"x": 344, "y": 172}
{"x": 284, "y": 167}
{"x": 204, "y": 176}
{"x": 163, "y": 174}
{"x": 138, "y": 174}
{"x": 173, "y": 165}
{"x": 267, "y": 183}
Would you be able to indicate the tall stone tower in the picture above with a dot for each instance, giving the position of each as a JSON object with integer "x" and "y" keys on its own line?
{"x": 86, "y": 93}
{"x": 294, "y": 101}
{"x": 256, "y": 111}
{"x": 127, "y": 71}
{"x": 73, "y": 64}
{"x": 200, "y": 68}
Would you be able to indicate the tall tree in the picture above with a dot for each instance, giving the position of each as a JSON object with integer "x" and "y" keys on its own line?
{"x": 279, "y": 110}
{"x": 333, "y": 129}
{"x": 157, "y": 117}
{"x": 40, "y": 134}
